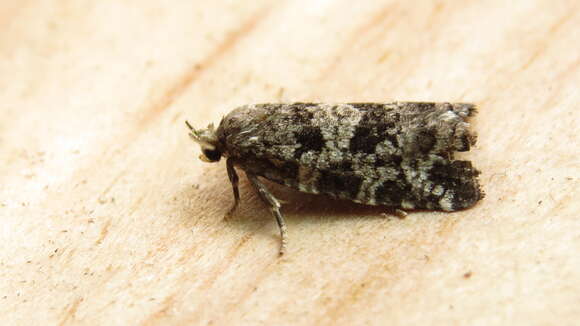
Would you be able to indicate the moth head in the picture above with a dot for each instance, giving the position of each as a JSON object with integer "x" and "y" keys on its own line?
{"x": 208, "y": 141}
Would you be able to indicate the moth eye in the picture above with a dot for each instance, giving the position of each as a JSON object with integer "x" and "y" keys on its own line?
{"x": 213, "y": 155}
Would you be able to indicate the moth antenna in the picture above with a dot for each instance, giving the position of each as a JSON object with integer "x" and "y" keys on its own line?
{"x": 189, "y": 126}
{"x": 193, "y": 133}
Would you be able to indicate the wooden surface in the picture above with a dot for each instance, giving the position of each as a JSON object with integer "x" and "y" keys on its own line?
{"x": 108, "y": 217}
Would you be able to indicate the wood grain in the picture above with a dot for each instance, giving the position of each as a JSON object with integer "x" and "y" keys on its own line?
{"x": 109, "y": 218}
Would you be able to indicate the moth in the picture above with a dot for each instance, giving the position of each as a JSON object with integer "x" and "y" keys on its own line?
{"x": 399, "y": 155}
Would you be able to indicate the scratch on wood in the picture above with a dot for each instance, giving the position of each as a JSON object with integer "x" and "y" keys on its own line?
{"x": 110, "y": 186}
{"x": 250, "y": 289}
{"x": 162, "y": 312}
{"x": 446, "y": 227}
{"x": 356, "y": 36}
{"x": 195, "y": 71}
{"x": 104, "y": 232}
{"x": 70, "y": 312}
{"x": 136, "y": 205}
{"x": 543, "y": 45}
{"x": 226, "y": 262}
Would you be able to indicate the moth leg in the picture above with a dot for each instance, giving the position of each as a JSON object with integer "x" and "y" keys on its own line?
{"x": 234, "y": 181}
{"x": 401, "y": 214}
{"x": 269, "y": 198}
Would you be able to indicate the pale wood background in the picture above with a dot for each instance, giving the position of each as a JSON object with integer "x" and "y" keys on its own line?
{"x": 108, "y": 217}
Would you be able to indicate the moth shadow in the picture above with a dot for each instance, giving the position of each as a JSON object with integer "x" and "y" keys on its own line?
{"x": 201, "y": 206}
{"x": 298, "y": 205}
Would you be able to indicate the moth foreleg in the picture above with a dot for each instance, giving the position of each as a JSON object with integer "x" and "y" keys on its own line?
{"x": 274, "y": 204}
{"x": 401, "y": 214}
{"x": 234, "y": 181}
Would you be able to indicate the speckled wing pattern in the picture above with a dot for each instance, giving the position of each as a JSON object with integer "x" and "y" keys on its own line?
{"x": 396, "y": 154}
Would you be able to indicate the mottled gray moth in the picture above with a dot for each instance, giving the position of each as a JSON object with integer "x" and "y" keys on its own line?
{"x": 398, "y": 155}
